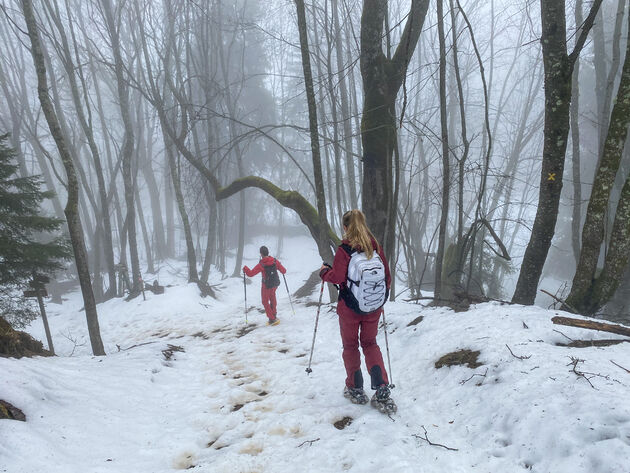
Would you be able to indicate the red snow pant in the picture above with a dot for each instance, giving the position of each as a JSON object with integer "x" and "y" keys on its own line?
{"x": 268, "y": 295}
{"x": 354, "y": 328}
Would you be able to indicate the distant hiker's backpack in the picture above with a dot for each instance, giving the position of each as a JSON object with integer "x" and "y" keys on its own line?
{"x": 366, "y": 289}
{"x": 270, "y": 277}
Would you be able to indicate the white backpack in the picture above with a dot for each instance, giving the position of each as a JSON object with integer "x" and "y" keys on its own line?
{"x": 366, "y": 282}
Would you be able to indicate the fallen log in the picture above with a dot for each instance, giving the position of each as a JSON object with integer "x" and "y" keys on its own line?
{"x": 593, "y": 343}
{"x": 592, "y": 325}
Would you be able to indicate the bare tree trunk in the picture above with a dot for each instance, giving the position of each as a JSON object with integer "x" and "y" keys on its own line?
{"x": 445, "y": 155}
{"x": 145, "y": 234}
{"x": 225, "y": 69}
{"x": 190, "y": 247}
{"x": 71, "y": 210}
{"x": 558, "y": 72}
{"x": 87, "y": 127}
{"x": 169, "y": 209}
{"x": 575, "y": 147}
{"x": 345, "y": 109}
{"x": 323, "y": 240}
{"x": 340, "y": 189}
{"x": 599, "y": 62}
{"x": 589, "y": 293}
{"x": 382, "y": 79}
{"x": 211, "y": 236}
{"x": 127, "y": 146}
{"x": 612, "y": 75}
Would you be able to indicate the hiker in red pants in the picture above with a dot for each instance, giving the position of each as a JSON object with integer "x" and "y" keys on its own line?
{"x": 269, "y": 267}
{"x": 361, "y": 271}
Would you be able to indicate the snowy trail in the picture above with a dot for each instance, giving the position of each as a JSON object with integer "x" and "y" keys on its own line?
{"x": 237, "y": 398}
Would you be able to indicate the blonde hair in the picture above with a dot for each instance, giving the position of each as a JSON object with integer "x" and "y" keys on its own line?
{"x": 357, "y": 232}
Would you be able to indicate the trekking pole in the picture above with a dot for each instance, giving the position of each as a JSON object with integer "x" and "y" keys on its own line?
{"x": 287, "y": 286}
{"x": 319, "y": 306}
{"x": 389, "y": 364}
{"x": 245, "y": 289}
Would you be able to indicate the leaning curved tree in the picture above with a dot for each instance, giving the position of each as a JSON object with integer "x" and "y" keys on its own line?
{"x": 382, "y": 79}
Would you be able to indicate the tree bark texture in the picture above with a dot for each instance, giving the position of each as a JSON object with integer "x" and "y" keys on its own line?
{"x": 179, "y": 196}
{"x": 576, "y": 213}
{"x": 322, "y": 237}
{"x": 72, "y": 205}
{"x": 558, "y": 66}
{"x": 439, "y": 258}
{"x": 382, "y": 79}
{"x": 581, "y": 296}
{"x": 88, "y": 130}
{"x": 127, "y": 146}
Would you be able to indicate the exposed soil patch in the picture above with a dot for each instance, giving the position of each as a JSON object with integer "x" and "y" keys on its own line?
{"x": 245, "y": 330}
{"x": 237, "y": 407}
{"x": 416, "y": 321}
{"x": 170, "y": 350}
{"x": 9, "y": 411}
{"x": 201, "y": 335}
{"x": 263, "y": 393}
{"x": 283, "y": 350}
{"x": 343, "y": 423}
{"x": 18, "y": 344}
{"x": 461, "y": 357}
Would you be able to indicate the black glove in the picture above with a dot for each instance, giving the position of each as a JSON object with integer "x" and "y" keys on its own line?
{"x": 325, "y": 269}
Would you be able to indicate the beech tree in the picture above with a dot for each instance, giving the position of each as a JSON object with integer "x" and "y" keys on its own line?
{"x": 589, "y": 291}
{"x": 559, "y": 66}
{"x": 72, "y": 205}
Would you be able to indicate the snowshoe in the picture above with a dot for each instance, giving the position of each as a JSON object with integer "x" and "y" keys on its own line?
{"x": 356, "y": 395}
{"x": 382, "y": 401}
{"x": 275, "y": 321}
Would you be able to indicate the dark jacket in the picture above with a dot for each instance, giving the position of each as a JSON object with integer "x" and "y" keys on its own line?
{"x": 266, "y": 261}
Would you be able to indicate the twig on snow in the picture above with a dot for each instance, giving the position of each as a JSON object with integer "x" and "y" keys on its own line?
{"x": 527, "y": 357}
{"x": 74, "y": 340}
{"x": 563, "y": 302}
{"x": 426, "y": 438}
{"x": 134, "y": 346}
{"x": 582, "y": 374}
{"x": 309, "y": 442}
{"x": 625, "y": 369}
{"x": 565, "y": 336}
{"x": 464, "y": 381}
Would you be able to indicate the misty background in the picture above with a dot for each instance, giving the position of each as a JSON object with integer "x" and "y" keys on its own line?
{"x": 188, "y": 126}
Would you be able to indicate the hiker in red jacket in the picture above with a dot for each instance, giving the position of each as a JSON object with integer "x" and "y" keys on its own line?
{"x": 357, "y": 326}
{"x": 269, "y": 267}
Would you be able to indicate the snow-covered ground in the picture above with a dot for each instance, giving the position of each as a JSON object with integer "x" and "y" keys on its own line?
{"x": 237, "y": 398}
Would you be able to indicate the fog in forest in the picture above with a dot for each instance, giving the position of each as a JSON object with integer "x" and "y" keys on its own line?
{"x": 470, "y": 133}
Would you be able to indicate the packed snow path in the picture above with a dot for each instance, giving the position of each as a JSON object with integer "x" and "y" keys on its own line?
{"x": 237, "y": 398}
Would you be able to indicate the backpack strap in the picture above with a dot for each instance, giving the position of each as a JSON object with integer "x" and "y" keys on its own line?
{"x": 347, "y": 248}
{"x": 350, "y": 251}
